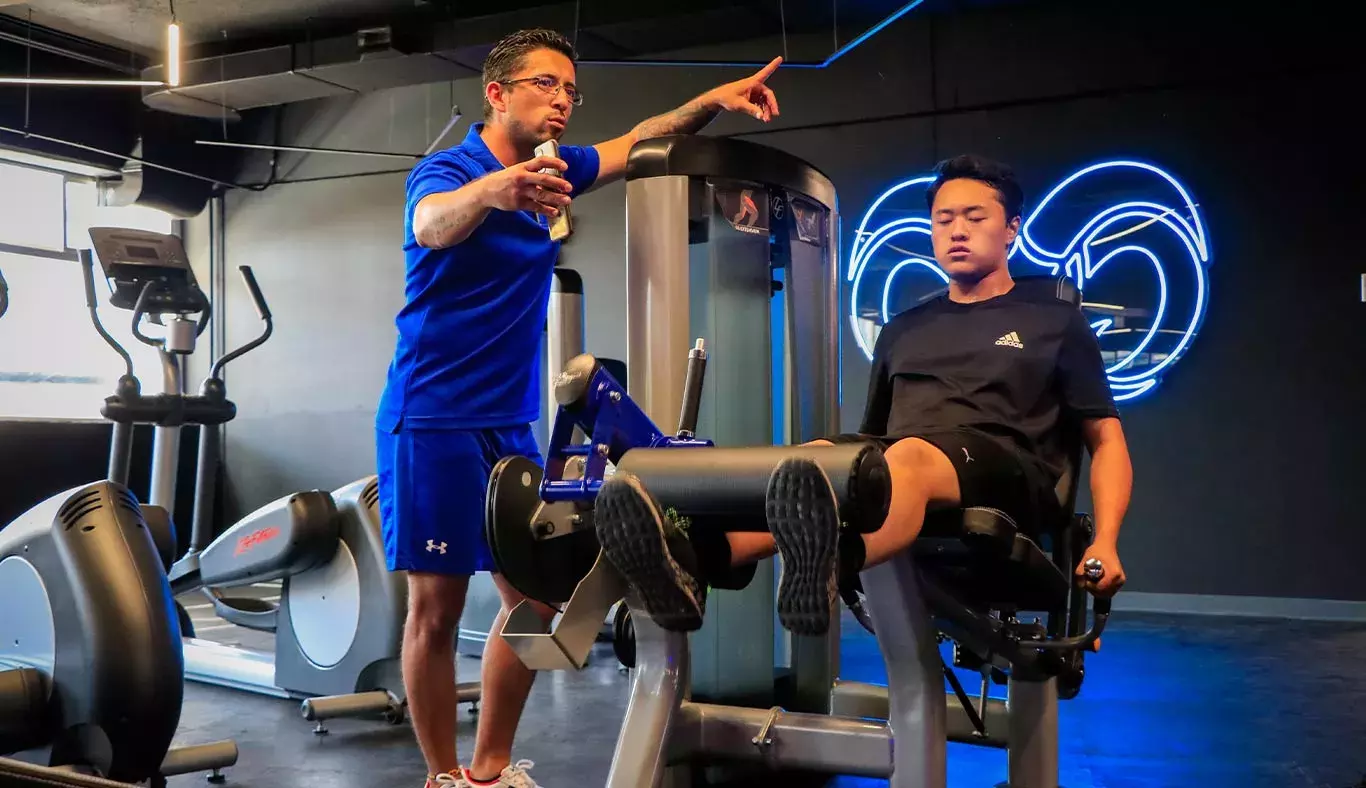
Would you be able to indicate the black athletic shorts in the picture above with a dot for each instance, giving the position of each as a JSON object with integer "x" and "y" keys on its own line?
{"x": 990, "y": 474}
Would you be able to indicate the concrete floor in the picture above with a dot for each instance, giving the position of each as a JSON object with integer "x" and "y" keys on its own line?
{"x": 1169, "y": 701}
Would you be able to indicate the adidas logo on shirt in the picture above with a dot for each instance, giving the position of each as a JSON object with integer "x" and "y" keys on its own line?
{"x": 1011, "y": 340}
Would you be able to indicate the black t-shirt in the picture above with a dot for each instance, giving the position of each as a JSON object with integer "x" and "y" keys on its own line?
{"x": 1013, "y": 367}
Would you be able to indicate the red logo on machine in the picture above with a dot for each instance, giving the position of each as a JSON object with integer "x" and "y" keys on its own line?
{"x": 254, "y": 538}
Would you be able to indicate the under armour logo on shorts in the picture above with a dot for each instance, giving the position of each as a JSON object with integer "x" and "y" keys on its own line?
{"x": 433, "y": 547}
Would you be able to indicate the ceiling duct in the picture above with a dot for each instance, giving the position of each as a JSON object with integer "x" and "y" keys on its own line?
{"x": 230, "y": 84}
{"x": 154, "y": 188}
{"x": 168, "y": 171}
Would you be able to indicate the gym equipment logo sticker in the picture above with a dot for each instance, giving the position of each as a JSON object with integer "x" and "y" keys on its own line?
{"x": 1127, "y": 232}
{"x": 255, "y": 538}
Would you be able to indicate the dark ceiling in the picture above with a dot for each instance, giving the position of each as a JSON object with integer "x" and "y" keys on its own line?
{"x": 240, "y": 55}
{"x": 619, "y": 27}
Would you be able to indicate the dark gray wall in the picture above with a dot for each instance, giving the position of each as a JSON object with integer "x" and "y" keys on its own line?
{"x": 1247, "y": 457}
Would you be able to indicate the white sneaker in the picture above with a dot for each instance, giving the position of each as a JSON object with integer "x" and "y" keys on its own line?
{"x": 445, "y": 780}
{"x": 514, "y": 776}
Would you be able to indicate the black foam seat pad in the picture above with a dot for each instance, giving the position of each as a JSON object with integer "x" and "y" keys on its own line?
{"x": 979, "y": 555}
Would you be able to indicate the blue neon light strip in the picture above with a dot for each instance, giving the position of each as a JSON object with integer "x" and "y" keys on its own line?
{"x": 836, "y": 55}
{"x": 1074, "y": 258}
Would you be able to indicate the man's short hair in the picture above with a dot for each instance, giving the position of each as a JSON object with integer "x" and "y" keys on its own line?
{"x": 979, "y": 168}
{"x": 506, "y": 57}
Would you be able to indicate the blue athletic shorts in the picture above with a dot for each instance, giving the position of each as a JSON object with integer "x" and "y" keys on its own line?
{"x": 432, "y": 485}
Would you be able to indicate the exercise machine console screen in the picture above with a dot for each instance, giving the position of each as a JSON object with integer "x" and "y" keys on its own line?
{"x": 149, "y": 270}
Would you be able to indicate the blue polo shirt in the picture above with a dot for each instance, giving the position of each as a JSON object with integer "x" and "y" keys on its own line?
{"x": 469, "y": 334}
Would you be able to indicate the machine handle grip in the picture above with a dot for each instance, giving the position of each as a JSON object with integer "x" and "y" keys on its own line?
{"x": 139, "y": 310}
{"x": 87, "y": 259}
{"x": 4, "y": 295}
{"x": 1094, "y": 571}
{"x": 257, "y": 299}
{"x": 692, "y": 389}
{"x": 263, "y": 311}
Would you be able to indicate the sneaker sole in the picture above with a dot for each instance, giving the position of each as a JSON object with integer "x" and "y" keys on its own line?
{"x": 804, "y": 520}
{"x": 631, "y": 531}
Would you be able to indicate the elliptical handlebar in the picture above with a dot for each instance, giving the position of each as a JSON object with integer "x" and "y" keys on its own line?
{"x": 87, "y": 258}
{"x": 262, "y": 310}
{"x": 257, "y": 299}
{"x": 139, "y": 310}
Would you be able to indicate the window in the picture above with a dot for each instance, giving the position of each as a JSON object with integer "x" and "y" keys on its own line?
{"x": 53, "y": 363}
{"x": 31, "y": 208}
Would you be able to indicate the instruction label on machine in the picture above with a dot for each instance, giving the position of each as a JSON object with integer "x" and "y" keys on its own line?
{"x": 746, "y": 209}
{"x": 809, "y": 219}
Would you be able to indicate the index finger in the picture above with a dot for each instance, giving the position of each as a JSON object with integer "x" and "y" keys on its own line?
{"x": 543, "y": 162}
{"x": 767, "y": 71}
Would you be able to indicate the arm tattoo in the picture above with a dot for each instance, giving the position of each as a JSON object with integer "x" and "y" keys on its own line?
{"x": 443, "y": 225}
{"x": 687, "y": 119}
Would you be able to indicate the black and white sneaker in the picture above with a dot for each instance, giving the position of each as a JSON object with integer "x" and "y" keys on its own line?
{"x": 649, "y": 550}
{"x": 803, "y": 516}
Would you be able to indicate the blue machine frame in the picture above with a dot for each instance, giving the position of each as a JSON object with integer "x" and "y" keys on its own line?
{"x": 615, "y": 424}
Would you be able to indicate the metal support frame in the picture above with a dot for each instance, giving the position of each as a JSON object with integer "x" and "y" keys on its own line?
{"x": 908, "y": 642}
{"x": 663, "y": 728}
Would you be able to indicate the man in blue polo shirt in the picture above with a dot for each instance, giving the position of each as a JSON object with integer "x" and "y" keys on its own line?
{"x": 462, "y": 390}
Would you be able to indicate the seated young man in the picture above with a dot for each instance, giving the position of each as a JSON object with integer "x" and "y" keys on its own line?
{"x": 968, "y": 398}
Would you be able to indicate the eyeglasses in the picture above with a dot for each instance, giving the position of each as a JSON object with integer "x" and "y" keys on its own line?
{"x": 551, "y": 86}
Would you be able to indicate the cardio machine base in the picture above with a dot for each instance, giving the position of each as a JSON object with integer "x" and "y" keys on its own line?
{"x": 339, "y": 628}
{"x": 92, "y": 579}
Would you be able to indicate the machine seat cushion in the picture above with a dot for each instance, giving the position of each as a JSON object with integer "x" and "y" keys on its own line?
{"x": 979, "y": 555}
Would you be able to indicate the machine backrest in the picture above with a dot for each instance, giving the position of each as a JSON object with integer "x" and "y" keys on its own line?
{"x": 1063, "y": 288}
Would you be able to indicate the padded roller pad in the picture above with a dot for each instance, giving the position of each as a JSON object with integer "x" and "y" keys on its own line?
{"x": 571, "y": 385}
{"x": 725, "y": 488}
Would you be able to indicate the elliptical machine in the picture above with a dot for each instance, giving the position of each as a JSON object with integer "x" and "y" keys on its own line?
{"x": 339, "y": 623}
{"x": 91, "y": 672}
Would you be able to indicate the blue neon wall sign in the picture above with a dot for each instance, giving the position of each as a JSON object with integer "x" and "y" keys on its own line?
{"x": 1128, "y": 232}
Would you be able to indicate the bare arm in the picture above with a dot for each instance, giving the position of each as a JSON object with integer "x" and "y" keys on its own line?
{"x": 1111, "y": 486}
{"x": 446, "y": 218}
{"x": 749, "y": 95}
{"x": 1112, "y": 477}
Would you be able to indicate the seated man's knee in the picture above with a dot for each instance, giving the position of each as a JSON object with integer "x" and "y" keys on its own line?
{"x": 819, "y": 442}
{"x": 922, "y": 469}
{"x": 910, "y": 455}
{"x": 435, "y": 603}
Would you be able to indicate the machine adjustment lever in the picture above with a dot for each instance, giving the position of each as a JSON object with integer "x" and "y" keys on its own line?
{"x": 764, "y": 738}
